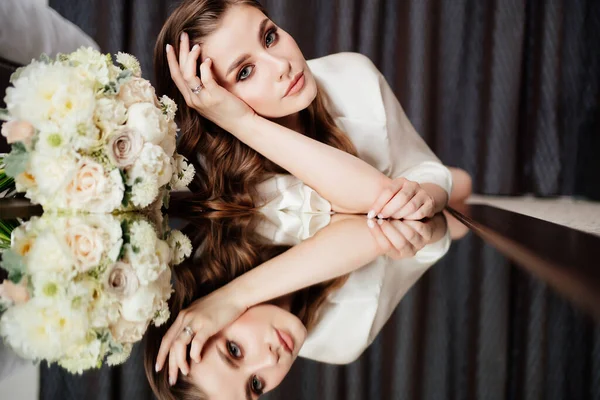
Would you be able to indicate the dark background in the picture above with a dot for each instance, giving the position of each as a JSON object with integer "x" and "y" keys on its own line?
{"x": 508, "y": 90}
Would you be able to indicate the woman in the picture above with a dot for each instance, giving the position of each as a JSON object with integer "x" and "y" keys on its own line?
{"x": 255, "y": 108}
{"x": 255, "y": 331}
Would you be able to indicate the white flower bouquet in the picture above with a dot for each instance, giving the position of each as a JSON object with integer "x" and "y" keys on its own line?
{"x": 84, "y": 288}
{"x": 89, "y": 135}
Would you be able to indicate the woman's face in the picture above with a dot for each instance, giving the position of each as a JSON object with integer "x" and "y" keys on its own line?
{"x": 251, "y": 356}
{"x": 257, "y": 61}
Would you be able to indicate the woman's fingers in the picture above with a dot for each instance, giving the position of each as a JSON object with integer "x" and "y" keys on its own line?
{"x": 401, "y": 244}
{"x": 197, "y": 345}
{"x": 385, "y": 196}
{"x": 425, "y": 209}
{"x": 385, "y": 246}
{"x": 167, "y": 341}
{"x": 206, "y": 75}
{"x": 176, "y": 72}
{"x": 190, "y": 67}
{"x": 178, "y": 356}
{"x": 400, "y": 200}
{"x": 184, "y": 48}
{"x": 412, "y": 206}
{"x": 416, "y": 240}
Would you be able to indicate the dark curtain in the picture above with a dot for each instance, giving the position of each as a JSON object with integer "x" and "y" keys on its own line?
{"x": 508, "y": 90}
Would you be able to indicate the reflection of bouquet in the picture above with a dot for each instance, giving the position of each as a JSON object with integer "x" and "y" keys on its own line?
{"x": 89, "y": 135}
{"x": 86, "y": 287}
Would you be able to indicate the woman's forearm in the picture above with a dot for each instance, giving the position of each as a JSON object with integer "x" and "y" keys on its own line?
{"x": 323, "y": 257}
{"x": 347, "y": 182}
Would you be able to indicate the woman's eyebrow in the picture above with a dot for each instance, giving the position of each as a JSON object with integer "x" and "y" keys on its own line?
{"x": 244, "y": 57}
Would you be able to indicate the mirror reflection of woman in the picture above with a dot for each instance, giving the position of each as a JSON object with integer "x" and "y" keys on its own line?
{"x": 251, "y": 303}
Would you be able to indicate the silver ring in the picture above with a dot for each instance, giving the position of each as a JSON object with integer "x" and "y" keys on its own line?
{"x": 197, "y": 89}
{"x": 187, "y": 330}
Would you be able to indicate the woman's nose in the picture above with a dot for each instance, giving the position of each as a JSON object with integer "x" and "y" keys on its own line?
{"x": 267, "y": 357}
{"x": 281, "y": 66}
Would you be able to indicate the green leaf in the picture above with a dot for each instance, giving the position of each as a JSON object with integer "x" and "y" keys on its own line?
{"x": 4, "y": 115}
{"x": 13, "y": 264}
{"x": 16, "y": 160}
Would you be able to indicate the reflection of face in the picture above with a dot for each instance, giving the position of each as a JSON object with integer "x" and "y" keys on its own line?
{"x": 273, "y": 61}
{"x": 248, "y": 357}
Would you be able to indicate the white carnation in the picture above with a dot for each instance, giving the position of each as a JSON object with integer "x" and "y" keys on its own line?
{"x": 162, "y": 316}
{"x": 169, "y": 107}
{"x": 181, "y": 246}
{"x": 152, "y": 163}
{"x": 183, "y": 173}
{"x": 120, "y": 358}
{"x": 130, "y": 62}
{"x": 144, "y": 193}
{"x": 149, "y": 121}
{"x": 142, "y": 234}
{"x": 52, "y": 97}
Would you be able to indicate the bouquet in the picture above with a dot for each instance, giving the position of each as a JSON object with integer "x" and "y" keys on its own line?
{"x": 90, "y": 135}
{"x": 84, "y": 288}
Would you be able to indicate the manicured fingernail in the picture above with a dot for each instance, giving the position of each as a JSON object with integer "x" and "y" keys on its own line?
{"x": 380, "y": 221}
{"x": 185, "y": 373}
{"x": 380, "y": 216}
{"x": 371, "y": 223}
{"x": 171, "y": 381}
{"x": 195, "y": 47}
{"x": 183, "y": 35}
{"x": 371, "y": 214}
{"x": 156, "y": 368}
{"x": 207, "y": 60}
{"x": 168, "y": 48}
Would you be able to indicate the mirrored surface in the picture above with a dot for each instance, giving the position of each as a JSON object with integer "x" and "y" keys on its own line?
{"x": 455, "y": 320}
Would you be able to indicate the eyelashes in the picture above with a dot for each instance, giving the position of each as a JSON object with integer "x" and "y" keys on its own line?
{"x": 242, "y": 76}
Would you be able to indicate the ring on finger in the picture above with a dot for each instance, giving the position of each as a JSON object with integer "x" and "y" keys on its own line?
{"x": 188, "y": 331}
{"x": 197, "y": 89}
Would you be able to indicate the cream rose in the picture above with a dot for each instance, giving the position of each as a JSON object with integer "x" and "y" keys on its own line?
{"x": 128, "y": 332}
{"x": 122, "y": 280}
{"x": 124, "y": 146}
{"x": 148, "y": 121}
{"x": 137, "y": 90}
{"x": 91, "y": 189}
{"x": 18, "y": 131}
{"x": 86, "y": 244}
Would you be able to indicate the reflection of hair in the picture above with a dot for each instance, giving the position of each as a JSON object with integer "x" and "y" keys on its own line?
{"x": 229, "y": 248}
{"x": 230, "y": 170}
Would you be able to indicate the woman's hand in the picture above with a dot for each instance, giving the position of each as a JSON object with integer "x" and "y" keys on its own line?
{"x": 195, "y": 325}
{"x": 401, "y": 239}
{"x": 203, "y": 93}
{"x": 404, "y": 199}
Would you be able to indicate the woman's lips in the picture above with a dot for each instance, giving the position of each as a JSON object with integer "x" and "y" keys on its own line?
{"x": 297, "y": 85}
{"x": 286, "y": 341}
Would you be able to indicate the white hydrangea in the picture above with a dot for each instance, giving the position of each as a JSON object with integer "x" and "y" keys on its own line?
{"x": 181, "y": 246}
{"x": 130, "y": 62}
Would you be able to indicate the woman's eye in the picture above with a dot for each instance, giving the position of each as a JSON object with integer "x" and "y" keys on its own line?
{"x": 245, "y": 73}
{"x": 257, "y": 385}
{"x": 272, "y": 36}
{"x": 234, "y": 350}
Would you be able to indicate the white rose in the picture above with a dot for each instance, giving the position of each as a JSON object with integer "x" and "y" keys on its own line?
{"x": 109, "y": 113}
{"x": 91, "y": 189}
{"x": 124, "y": 146}
{"x": 125, "y": 331}
{"x": 121, "y": 280}
{"x": 152, "y": 163}
{"x": 137, "y": 90}
{"x": 149, "y": 121}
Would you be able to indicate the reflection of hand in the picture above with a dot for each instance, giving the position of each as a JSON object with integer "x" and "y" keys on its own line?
{"x": 401, "y": 239}
{"x": 212, "y": 101}
{"x": 204, "y": 317}
{"x": 404, "y": 199}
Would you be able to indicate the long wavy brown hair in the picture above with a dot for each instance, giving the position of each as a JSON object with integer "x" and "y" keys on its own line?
{"x": 229, "y": 246}
{"x": 227, "y": 169}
